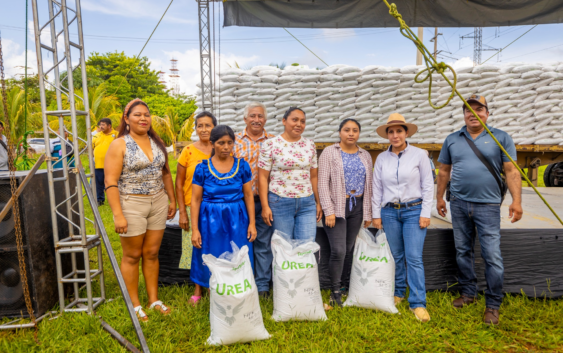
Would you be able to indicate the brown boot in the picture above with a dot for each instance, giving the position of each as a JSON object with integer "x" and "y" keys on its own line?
{"x": 491, "y": 316}
{"x": 462, "y": 301}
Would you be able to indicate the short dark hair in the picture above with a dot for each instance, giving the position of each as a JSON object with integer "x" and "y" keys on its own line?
{"x": 347, "y": 120}
{"x": 404, "y": 127}
{"x": 1, "y": 123}
{"x": 291, "y": 109}
{"x": 218, "y": 132}
{"x": 105, "y": 120}
{"x": 204, "y": 114}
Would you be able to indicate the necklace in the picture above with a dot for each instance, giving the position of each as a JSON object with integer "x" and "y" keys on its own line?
{"x": 215, "y": 175}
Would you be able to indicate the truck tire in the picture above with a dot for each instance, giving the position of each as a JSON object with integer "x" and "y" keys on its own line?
{"x": 551, "y": 172}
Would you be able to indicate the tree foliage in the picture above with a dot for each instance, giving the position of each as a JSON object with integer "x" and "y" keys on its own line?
{"x": 183, "y": 107}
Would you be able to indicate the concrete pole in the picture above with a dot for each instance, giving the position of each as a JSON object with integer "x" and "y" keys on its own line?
{"x": 435, "y": 42}
{"x": 418, "y": 53}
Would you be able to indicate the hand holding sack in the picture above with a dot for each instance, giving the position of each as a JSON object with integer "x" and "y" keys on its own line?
{"x": 297, "y": 292}
{"x": 235, "y": 314}
{"x": 372, "y": 282}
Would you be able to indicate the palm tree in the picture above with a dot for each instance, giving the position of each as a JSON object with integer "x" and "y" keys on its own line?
{"x": 171, "y": 129}
{"x": 16, "y": 105}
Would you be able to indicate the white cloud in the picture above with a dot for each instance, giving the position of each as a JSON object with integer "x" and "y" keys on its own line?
{"x": 14, "y": 59}
{"x": 463, "y": 62}
{"x": 140, "y": 9}
{"x": 338, "y": 35}
{"x": 189, "y": 66}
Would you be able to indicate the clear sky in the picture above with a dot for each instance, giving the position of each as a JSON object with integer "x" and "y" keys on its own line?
{"x": 124, "y": 25}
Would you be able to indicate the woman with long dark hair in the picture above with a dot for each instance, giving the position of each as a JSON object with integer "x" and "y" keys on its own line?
{"x": 140, "y": 193}
{"x": 345, "y": 193}
{"x": 222, "y": 206}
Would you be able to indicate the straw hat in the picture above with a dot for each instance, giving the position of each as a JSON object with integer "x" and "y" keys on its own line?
{"x": 393, "y": 120}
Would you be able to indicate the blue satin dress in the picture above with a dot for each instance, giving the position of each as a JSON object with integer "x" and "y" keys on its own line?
{"x": 222, "y": 215}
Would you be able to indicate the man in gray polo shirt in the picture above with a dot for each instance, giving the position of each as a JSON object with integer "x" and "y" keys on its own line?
{"x": 475, "y": 202}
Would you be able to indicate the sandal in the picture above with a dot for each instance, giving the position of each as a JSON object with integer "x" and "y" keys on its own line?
{"x": 194, "y": 299}
{"x": 163, "y": 309}
{"x": 141, "y": 314}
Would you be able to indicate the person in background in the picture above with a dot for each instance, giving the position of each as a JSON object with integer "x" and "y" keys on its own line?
{"x": 222, "y": 206}
{"x": 289, "y": 163}
{"x": 100, "y": 143}
{"x": 345, "y": 192}
{"x": 191, "y": 156}
{"x": 403, "y": 191}
{"x": 57, "y": 151}
{"x": 3, "y": 149}
{"x": 247, "y": 146}
{"x": 475, "y": 202}
{"x": 141, "y": 196}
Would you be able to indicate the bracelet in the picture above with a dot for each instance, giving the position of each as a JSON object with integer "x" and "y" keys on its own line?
{"x": 111, "y": 186}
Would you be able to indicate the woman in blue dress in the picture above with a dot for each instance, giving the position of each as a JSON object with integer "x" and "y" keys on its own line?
{"x": 222, "y": 206}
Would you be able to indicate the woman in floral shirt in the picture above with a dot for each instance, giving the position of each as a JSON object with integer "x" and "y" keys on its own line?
{"x": 290, "y": 203}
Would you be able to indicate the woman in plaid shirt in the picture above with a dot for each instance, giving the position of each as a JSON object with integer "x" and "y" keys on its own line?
{"x": 345, "y": 182}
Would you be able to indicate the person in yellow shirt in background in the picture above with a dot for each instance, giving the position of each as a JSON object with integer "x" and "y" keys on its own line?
{"x": 100, "y": 143}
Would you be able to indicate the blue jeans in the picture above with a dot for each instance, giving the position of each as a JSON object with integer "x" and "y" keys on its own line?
{"x": 468, "y": 217}
{"x": 100, "y": 184}
{"x": 294, "y": 217}
{"x": 406, "y": 240}
{"x": 262, "y": 251}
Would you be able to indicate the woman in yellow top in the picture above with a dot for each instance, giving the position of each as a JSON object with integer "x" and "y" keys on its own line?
{"x": 190, "y": 157}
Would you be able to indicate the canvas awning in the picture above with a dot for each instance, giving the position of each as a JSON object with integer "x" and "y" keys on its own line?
{"x": 374, "y": 13}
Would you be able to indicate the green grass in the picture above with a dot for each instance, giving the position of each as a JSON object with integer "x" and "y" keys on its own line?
{"x": 527, "y": 324}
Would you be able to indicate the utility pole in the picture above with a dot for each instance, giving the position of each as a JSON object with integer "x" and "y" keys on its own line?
{"x": 477, "y": 45}
{"x": 435, "y": 40}
{"x": 418, "y": 53}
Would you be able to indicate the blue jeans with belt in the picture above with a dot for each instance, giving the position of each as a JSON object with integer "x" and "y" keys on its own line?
{"x": 406, "y": 240}
{"x": 470, "y": 219}
{"x": 296, "y": 217}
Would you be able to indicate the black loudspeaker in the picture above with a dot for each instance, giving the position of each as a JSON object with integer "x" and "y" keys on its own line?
{"x": 169, "y": 258}
{"x": 39, "y": 251}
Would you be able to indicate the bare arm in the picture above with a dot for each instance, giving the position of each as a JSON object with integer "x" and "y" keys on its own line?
{"x": 443, "y": 178}
{"x": 169, "y": 187}
{"x": 113, "y": 167}
{"x": 263, "y": 177}
{"x": 180, "y": 180}
{"x": 315, "y": 184}
{"x": 515, "y": 186}
{"x": 249, "y": 201}
{"x": 197, "y": 193}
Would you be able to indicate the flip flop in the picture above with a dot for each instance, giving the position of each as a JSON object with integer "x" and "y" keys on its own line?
{"x": 141, "y": 314}
{"x": 163, "y": 309}
{"x": 194, "y": 299}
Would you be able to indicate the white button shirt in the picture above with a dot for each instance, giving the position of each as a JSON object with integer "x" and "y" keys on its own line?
{"x": 402, "y": 178}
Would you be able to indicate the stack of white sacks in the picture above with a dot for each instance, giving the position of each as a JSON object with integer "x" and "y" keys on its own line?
{"x": 526, "y": 100}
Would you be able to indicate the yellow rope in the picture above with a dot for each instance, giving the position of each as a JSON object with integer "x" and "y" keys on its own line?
{"x": 433, "y": 66}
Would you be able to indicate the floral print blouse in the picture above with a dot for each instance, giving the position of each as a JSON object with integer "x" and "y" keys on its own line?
{"x": 290, "y": 166}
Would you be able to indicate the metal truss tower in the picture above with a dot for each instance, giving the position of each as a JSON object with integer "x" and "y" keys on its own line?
{"x": 477, "y": 44}
{"x": 174, "y": 77}
{"x": 54, "y": 23}
{"x": 205, "y": 55}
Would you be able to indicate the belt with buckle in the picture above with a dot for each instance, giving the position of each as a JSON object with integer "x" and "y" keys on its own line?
{"x": 398, "y": 206}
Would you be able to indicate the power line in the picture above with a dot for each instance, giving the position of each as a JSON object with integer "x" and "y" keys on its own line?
{"x": 537, "y": 51}
{"x": 305, "y": 46}
{"x": 147, "y": 42}
{"x": 509, "y": 44}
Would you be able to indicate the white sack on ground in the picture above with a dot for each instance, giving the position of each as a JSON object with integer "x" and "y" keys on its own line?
{"x": 297, "y": 292}
{"x": 234, "y": 314}
{"x": 372, "y": 281}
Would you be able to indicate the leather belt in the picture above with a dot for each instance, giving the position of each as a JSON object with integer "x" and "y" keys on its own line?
{"x": 398, "y": 206}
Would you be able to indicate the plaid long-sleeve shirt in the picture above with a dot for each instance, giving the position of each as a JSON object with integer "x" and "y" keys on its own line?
{"x": 249, "y": 150}
{"x": 332, "y": 184}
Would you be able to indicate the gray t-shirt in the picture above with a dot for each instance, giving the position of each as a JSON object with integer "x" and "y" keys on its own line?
{"x": 471, "y": 180}
{"x": 3, "y": 154}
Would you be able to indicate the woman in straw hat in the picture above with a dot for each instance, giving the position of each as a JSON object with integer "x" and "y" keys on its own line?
{"x": 401, "y": 203}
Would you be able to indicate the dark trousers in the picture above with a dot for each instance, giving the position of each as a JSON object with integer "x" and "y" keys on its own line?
{"x": 342, "y": 238}
{"x": 469, "y": 220}
{"x": 262, "y": 251}
{"x": 100, "y": 185}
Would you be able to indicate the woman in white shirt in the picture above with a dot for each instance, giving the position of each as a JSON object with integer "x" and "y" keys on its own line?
{"x": 401, "y": 204}
{"x": 290, "y": 201}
